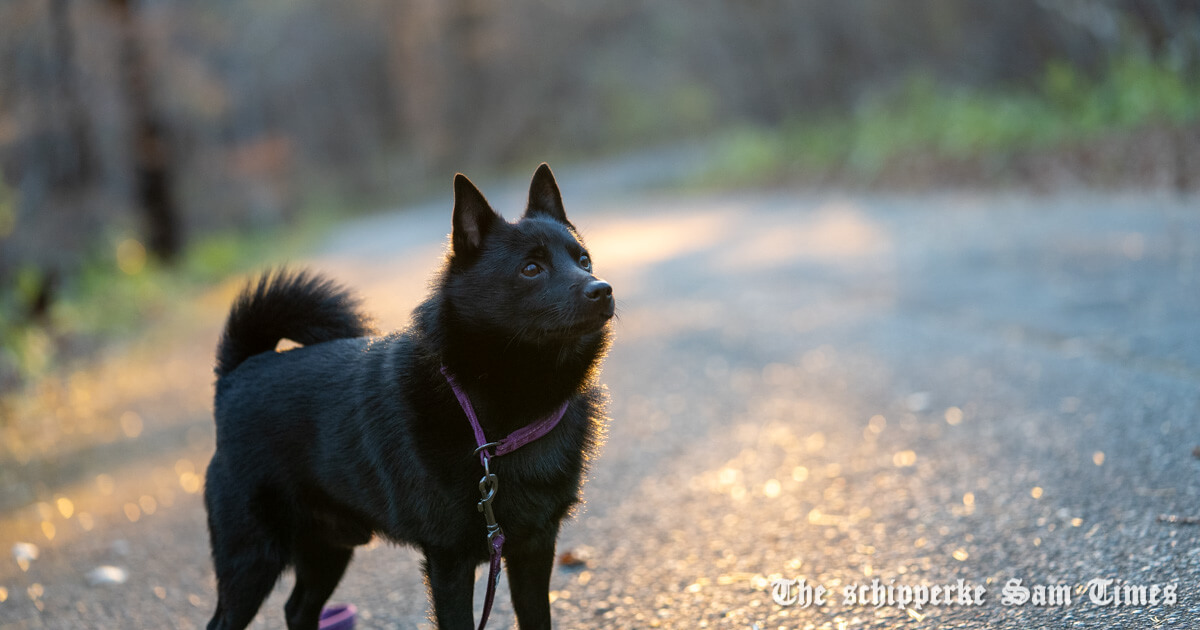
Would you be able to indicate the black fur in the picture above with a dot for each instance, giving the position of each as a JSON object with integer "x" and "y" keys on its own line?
{"x": 321, "y": 447}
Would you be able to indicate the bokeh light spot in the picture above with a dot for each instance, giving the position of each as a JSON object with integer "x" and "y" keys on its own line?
{"x": 131, "y": 256}
{"x": 131, "y": 424}
{"x": 904, "y": 459}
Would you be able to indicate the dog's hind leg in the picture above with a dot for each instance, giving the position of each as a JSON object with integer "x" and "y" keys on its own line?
{"x": 243, "y": 581}
{"x": 319, "y": 567}
{"x": 247, "y": 555}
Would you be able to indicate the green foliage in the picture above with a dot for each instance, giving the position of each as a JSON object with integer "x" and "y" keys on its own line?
{"x": 924, "y": 117}
{"x": 639, "y": 115}
{"x": 751, "y": 150}
{"x": 8, "y": 210}
{"x": 118, "y": 290}
{"x": 25, "y": 349}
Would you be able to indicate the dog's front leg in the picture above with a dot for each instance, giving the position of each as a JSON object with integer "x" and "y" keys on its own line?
{"x": 451, "y": 579}
{"x": 529, "y": 571}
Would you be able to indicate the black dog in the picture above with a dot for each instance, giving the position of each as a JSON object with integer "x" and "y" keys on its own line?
{"x": 323, "y": 446}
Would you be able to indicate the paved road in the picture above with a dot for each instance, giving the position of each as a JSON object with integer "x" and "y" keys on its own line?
{"x": 840, "y": 388}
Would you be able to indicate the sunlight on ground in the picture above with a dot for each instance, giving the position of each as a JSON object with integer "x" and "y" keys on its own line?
{"x": 627, "y": 247}
{"x": 88, "y": 405}
{"x": 634, "y": 242}
{"x": 139, "y": 490}
{"x": 835, "y": 231}
{"x": 635, "y": 254}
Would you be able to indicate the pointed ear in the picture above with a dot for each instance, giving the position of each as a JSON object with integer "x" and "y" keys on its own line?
{"x": 544, "y": 198}
{"x": 473, "y": 217}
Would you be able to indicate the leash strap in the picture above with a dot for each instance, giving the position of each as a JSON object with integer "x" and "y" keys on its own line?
{"x": 497, "y": 543}
{"x": 489, "y": 484}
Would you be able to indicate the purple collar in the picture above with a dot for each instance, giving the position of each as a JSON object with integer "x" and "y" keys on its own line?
{"x": 512, "y": 441}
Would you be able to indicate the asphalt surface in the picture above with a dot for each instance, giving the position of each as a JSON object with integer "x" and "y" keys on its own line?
{"x": 835, "y": 387}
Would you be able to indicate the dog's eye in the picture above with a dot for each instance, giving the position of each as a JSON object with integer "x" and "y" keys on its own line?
{"x": 531, "y": 270}
{"x": 585, "y": 262}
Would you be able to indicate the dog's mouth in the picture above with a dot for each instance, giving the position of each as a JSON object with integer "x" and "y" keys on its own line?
{"x": 582, "y": 328}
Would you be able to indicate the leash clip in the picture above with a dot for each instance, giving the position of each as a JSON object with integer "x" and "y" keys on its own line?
{"x": 488, "y": 485}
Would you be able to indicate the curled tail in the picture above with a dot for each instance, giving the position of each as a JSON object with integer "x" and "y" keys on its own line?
{"x": 302, "y": 306}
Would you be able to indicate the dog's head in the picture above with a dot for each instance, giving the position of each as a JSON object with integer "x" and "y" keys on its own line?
{"x": 529, "y": 281}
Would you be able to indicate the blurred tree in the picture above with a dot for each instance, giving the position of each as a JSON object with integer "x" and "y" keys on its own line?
{"x": 76, "y": 169}
{"x": 153, "y": 165}
{"x": 420, "y": 75}
{"x": 55, "y": 163}
{"x": 1170, "y": 28}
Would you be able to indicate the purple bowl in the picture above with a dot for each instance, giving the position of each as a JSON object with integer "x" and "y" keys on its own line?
{"x": 338, "y": 617}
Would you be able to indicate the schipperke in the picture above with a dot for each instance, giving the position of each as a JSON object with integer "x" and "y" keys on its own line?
{"x": 323, "y": 446}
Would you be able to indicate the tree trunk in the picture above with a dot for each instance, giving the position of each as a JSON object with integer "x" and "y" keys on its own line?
{"x": 76, "y": 172}
{"x": 153, "y": 176}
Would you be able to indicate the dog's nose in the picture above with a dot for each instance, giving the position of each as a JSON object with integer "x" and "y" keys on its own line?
{"x": 597, "y": 290}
